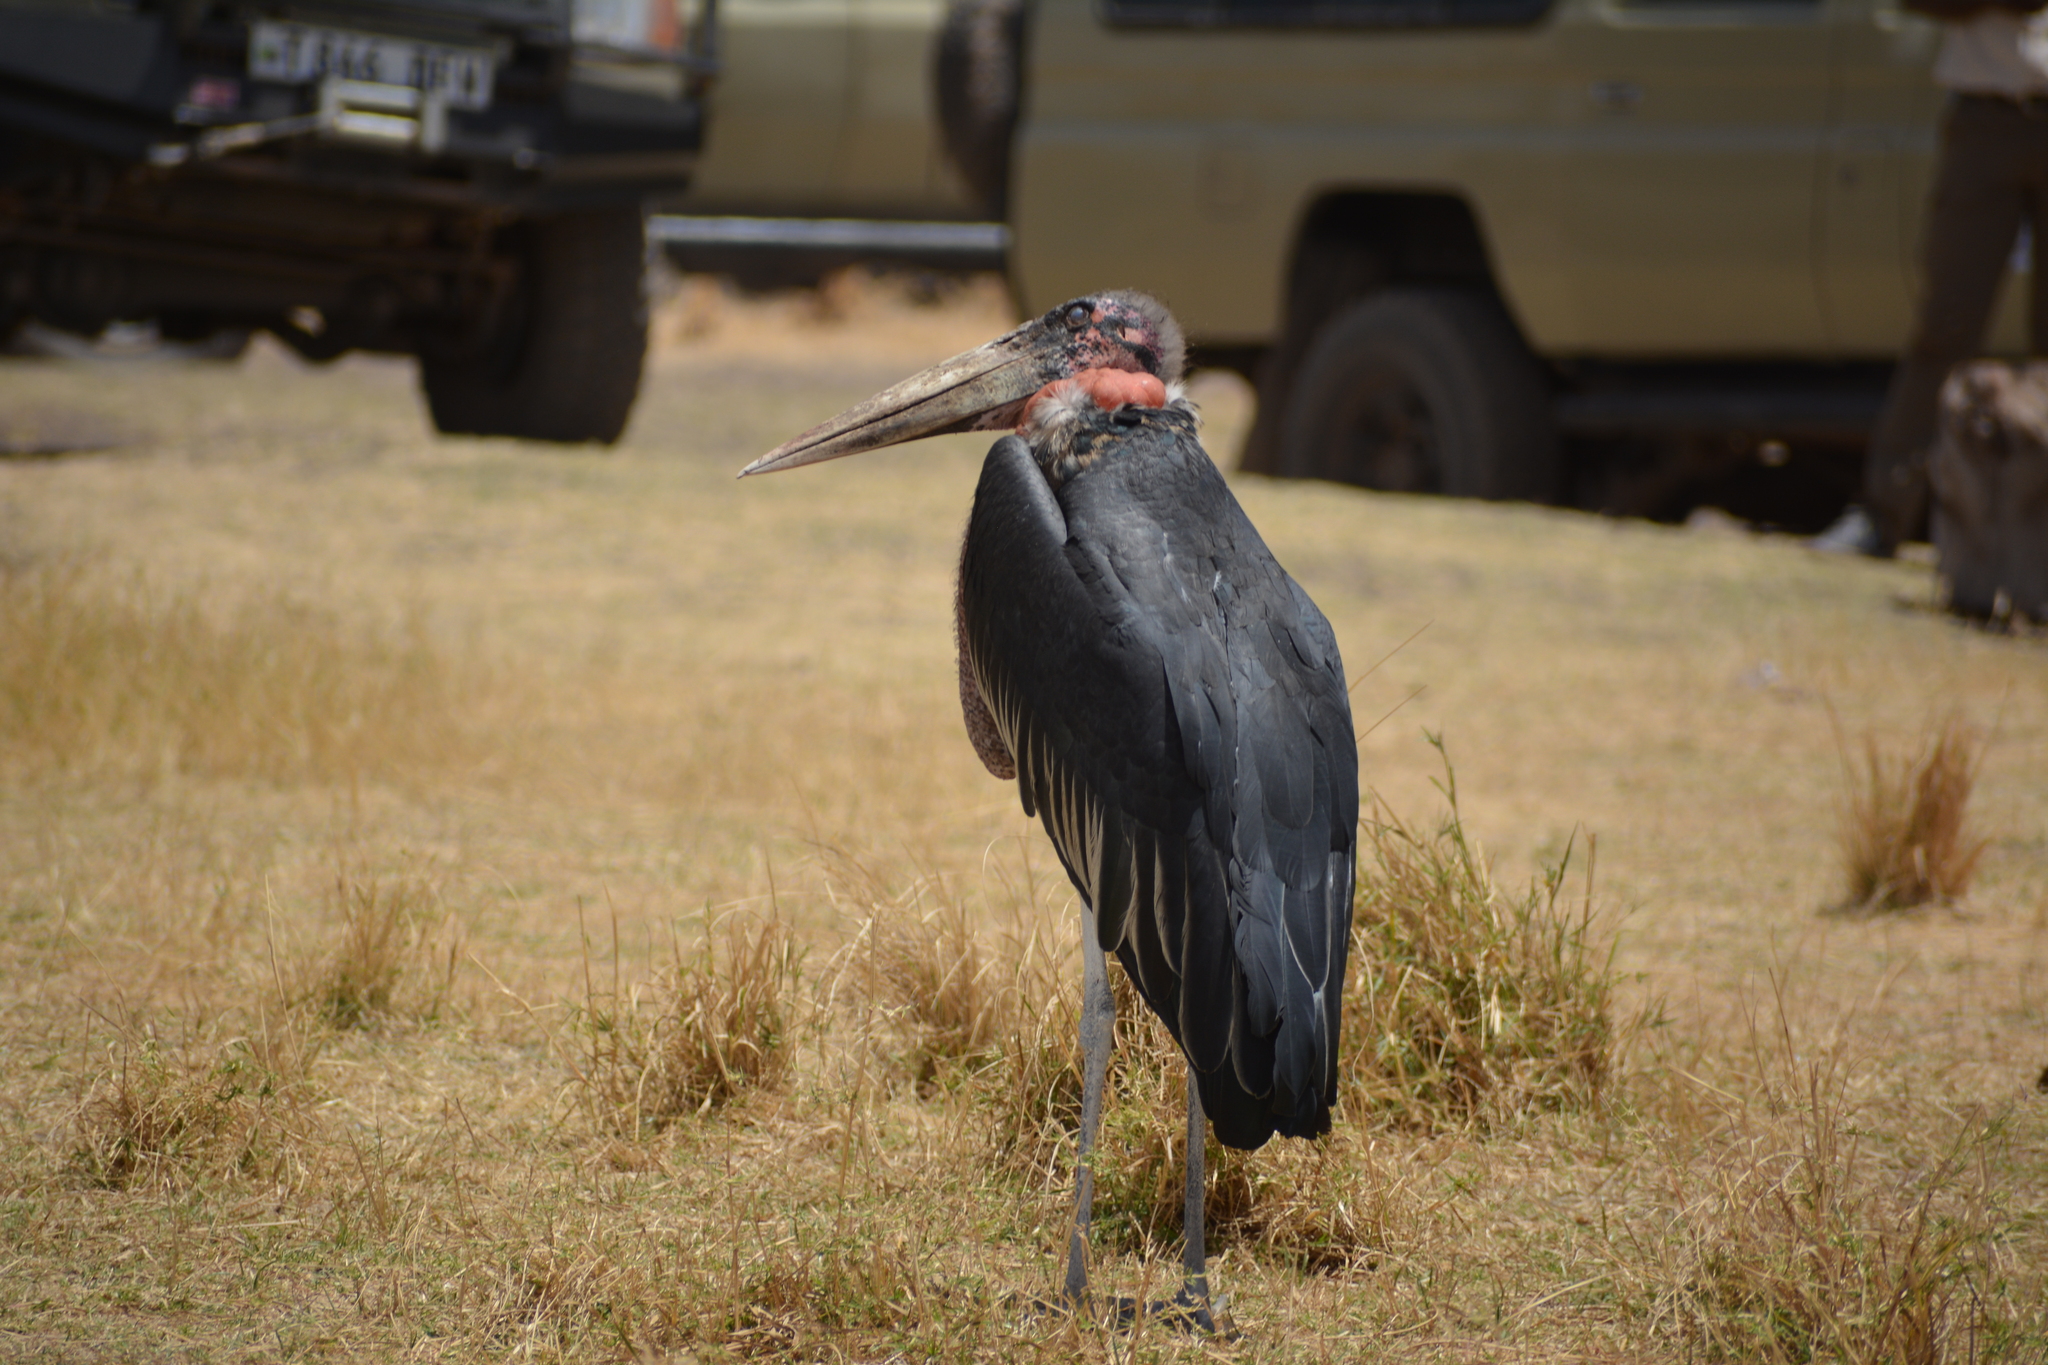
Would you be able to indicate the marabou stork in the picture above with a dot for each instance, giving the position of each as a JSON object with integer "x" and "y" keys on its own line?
{"x": 1170, "y": 703}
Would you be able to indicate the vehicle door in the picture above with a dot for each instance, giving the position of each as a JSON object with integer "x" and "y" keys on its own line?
{"x": 780, "y": 109}
{"x": 1690, "y": 220}
{"x": 892, "y": 162}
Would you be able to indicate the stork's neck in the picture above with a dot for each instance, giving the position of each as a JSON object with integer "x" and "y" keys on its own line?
{"x": 1108, "y": 390}
{"x": 1070, "y": 423}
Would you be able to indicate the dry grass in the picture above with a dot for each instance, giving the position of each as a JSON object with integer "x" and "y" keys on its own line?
{"x": 717, "y": 1022}
{"x": 1463, "y": 1006}
{"x": 1906, "y": 835}
{"x": 909, "y": 312}
{"x": 101, "y": 667}
{"x": 324, "y": 733}
{"x": 1808, "y": 1222}
{"x": 1467, "y": 1002}
{"x": 386, "y": 943}
{"x": 165, "y": 1117}
{"x": 918, "y": 977}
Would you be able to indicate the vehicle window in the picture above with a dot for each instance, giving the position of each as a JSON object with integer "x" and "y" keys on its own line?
{"x": 1327, "y": 13}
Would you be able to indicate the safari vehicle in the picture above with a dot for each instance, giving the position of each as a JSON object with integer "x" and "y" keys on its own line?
{"x": 1589, "y": 250}
{"x": 459, "y": 180}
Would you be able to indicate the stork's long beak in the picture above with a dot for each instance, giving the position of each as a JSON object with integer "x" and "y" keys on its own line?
{"x": 983, "y": 389}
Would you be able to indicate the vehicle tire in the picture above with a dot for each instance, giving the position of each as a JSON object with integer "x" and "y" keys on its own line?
{"x": 1422, "y": 391}
{"x": 564, "y": 364}
{"x": 977, "y": 70}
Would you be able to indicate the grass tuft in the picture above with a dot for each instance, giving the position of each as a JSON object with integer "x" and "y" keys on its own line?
{"x": 384, "y": 935}
{"x": 937, "y": 997}
{"x": 717, "y": 1023}
{"x": 1905, "y": 833}
{"x": 165, "y": 1117}
{"x": 1466, "y": 1001}
{"x": 1032, "y": 1088}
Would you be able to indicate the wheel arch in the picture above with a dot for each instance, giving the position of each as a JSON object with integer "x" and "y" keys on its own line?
{"x": 1349, "y": 242}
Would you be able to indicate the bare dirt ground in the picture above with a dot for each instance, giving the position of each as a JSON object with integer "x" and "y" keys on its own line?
{"x": 366, "y": 799}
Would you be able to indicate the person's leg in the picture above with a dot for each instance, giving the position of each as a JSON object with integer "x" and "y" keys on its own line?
{"x": 1972, "y": 220}
{"x": 2037, "y": 295}
{"x": 2034, "y": 209}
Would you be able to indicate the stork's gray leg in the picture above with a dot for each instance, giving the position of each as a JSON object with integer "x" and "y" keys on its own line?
{"x": 1191, "y": 1214}
{"x": 1193, "y": 1257}
{"x": 1098, "y": 1019}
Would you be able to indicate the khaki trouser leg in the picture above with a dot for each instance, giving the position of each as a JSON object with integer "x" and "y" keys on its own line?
{"x": 1993, "y": 174}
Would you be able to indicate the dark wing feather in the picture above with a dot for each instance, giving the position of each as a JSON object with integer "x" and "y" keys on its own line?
{"x": 1177, "y": 710}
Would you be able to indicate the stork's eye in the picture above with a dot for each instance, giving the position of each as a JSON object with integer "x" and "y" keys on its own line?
{"x": 1078, "y": 315}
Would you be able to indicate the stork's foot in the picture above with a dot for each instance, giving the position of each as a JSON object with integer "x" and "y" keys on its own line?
{"x": 1189, "y": 1313}
{"x": 1186, "y": 1312}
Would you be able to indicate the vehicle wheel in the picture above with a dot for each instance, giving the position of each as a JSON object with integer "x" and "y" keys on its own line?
{"x": 978, "y": 70}
{"x": 565, "y": 363}
{"x": 1422, "y": 391}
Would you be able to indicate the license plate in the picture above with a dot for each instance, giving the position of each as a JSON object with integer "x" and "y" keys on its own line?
{"x": 297, "y": 53}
